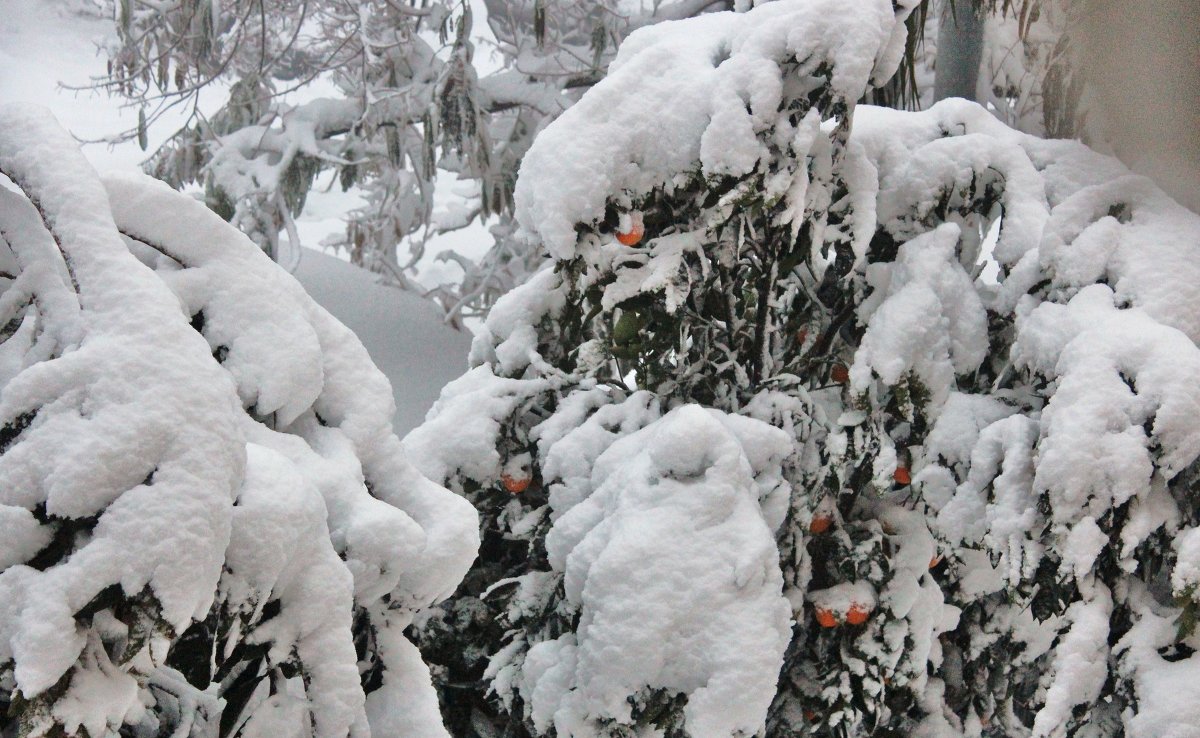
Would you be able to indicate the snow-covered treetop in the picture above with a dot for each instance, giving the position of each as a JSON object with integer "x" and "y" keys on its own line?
{"x": 193, "y": 451}
{"x": 676, "y": 102}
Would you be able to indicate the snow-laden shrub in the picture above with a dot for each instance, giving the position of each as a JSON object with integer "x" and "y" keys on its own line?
{"x": 948, "y": 366}
{"x": 209, "y": 526}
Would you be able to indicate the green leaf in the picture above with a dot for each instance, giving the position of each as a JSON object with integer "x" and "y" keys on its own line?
{"x": 125, "y": 17}
{"x": 141, "y": 128}
{"x": 599, "y": 44}
{"x": 628, "y": 328}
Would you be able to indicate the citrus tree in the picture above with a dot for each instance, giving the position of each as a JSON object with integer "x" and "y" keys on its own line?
{"x": 823, "y": 418}
{"x": 209, "y": 527}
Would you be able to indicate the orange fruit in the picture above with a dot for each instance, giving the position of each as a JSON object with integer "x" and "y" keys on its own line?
{"x": 515, "y": 485}
{"x": 820, "y": 524}
{"x": 839, "y": 373}
{"x": 935, "y": 561}
{"x": 636, "y": 230}
{"x": 825, "y": 618}
{"x": 902, "y": 476}
{"x": 857, "y": 614}
{"x": 630, "y": 238}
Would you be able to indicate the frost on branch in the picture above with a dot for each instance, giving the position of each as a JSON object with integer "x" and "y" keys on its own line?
{"x": 216, "y": 530}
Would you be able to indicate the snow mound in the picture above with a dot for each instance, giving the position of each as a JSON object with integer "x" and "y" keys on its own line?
{"x": 930, "y": 324}
{"x": 405, "y": 335}
{"x": 676, "y": 577}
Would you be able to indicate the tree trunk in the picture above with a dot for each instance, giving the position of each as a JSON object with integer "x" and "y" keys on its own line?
{"x": 959, "y": 49}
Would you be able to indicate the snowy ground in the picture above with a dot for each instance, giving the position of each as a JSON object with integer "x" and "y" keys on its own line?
{"x": 45, "y": 44}
{"x": 403, "y": 332}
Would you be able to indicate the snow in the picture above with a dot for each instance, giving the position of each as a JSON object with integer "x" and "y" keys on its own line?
{"x": 321, "y": 365}
{"x": 280, "y": 547}
{"x": 959, "y": 423}
{"x": 415, "y": 376}
{"x": 407, "y": 704}
{"x": 1116, "y": 371}
{"x": 931, "y": 323}
{"x": 1167, "y": 690}
{"x": 979, "y": 160}
{"x": 98, "y": 685}
{"x": 1002, "y": 458}
{"x": 459, "y": 438}
{"x": 24, "y": 536}
{"x": 220, "y": 440}
{"x": 387, "y": 320}
{"x": 571, "y": 440}
{"x": 676, "y": 578}
{"x": 677, "y": 102}
{"x": 403, "y": 333}
{"x": 503, "y": 332}
{"x": 841, "y": 598}
{"x": 136, "y": 375}
{"x": 1080, "y": 662}
{"x": 662, "y": 270}
{"x": 1145, "y": 250}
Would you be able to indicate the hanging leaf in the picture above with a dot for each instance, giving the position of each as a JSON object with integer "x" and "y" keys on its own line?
{"x": 391, "y": 137}
{"x": 125, "y": 17}
{"x": 429, "y": 152}
{"x": 599, "y": 43}
{"x": 297, "y": 181}
{"x": 348, "y": 176}
{"x": 464, "y": 24}
{"x": 206, "y": 28}
{"x": 539, "y": 22}
{"x": 163, "y": 71}
{"x": 141, "y": 128}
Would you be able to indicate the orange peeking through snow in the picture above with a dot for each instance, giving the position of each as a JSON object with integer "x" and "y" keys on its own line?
{"x": 630, "y": 228}
{"x": 515, "y": 485}
{"x": 857, "y": 614}
{"x": 825, "y": 618}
